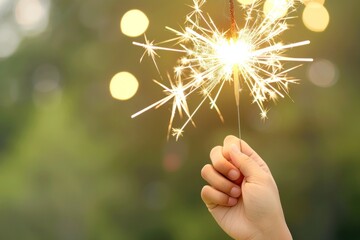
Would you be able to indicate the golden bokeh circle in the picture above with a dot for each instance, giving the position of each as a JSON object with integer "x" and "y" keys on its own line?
{"x": 310, "y": 1}
{"x": 123, "y": 86}
{"x": 276, "y": 9}
{"x": 246, "y": 2}
{"x": 134, "y": 23}
{"x": 316, "y": 17}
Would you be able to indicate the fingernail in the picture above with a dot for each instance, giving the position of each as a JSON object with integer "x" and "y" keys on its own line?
{"x": 235, "y": 192}
{"x": 235, "y": 149}
{"x": 232, "y": 201}
{"x": 233, "y": 175}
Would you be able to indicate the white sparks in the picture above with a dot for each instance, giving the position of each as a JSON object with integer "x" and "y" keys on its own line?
{"x": 212, "y": 57}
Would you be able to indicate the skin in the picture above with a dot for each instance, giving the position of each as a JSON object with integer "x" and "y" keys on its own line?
{"x": 242, "y": 195}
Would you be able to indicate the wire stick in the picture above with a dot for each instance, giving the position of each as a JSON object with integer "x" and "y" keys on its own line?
{"x": 232, "y": 19}
{"x": 237, "y": 86}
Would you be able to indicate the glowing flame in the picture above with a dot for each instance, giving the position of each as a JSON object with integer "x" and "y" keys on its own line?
{"x": 255, "y": 56}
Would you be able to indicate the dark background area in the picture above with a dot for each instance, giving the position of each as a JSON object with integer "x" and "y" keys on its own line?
{"x": 74, "y": 165}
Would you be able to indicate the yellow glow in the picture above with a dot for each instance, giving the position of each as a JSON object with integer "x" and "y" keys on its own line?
{"x": 123, "y": 86}
{"x": 275, "y": 9}
{"x": 323, "y": 73}
{"x": 255, "y": 56}
{"x": 233, "y": 53}
{"x": 310, "y": 1}
{"x": 246, "y": 2}
{"x": 316, "y": 17}
{"x": 134, "y": 23}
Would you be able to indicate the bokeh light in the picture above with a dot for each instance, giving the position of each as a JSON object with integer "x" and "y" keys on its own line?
{"x": 32, "y": 15}
{"x": 174, "y": 155}
{"x": 4, "y": 6}
{"x": 123, "y": 86}
{"x": 46, "y": 78}
{"x": 246, "y": 2}
{"x": 9, "y": 40}
{"x": 47, "y": 90}
{"x": 75, "y": 165}
{"x": 276, "y": 9}
{"x": 316, "y": 17}
{"x": 323, "y": 73}
{"x": 134, "y": 23}
{"x": 309, "y": 1}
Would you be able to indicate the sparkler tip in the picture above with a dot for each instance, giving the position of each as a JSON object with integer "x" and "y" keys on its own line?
{"x": 210, "y": 59}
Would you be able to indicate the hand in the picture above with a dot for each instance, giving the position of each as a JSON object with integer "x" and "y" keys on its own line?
{"x": 242, "y": 195}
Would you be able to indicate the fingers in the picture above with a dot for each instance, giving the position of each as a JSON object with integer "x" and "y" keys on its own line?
{"x": 245, "y": 148}
{"x": 219, "y": 182}
{"x": 247, "y": 165}
{"x": 213, "y": 197}
{"x": 222, "y": 165}
{"x": 229, "y": 165}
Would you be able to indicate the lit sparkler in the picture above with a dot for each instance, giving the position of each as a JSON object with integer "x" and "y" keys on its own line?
{"x": 250, "y": 55}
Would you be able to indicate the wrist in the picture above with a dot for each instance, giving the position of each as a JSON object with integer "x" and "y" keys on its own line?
{"x": 283, "y": 234}
{"x": 279, "y": 232}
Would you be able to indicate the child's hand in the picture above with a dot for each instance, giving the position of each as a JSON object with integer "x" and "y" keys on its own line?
{"x": 242, "y": 195}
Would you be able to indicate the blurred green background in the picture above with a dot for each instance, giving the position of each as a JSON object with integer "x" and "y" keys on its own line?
{"x": 74, "y": 165}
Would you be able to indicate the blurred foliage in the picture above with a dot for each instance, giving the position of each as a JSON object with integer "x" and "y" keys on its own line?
{"x": 73, "y": 165}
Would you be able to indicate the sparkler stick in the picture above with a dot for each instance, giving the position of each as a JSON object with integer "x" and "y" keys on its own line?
{"x": 209, "y": 58}
{"x": 237, "y": 86}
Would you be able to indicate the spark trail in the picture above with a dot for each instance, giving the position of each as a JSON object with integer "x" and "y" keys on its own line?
{"x": 253, "y": 54}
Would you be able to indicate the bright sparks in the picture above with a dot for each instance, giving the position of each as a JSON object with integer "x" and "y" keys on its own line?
{"x": 254, "y": 54}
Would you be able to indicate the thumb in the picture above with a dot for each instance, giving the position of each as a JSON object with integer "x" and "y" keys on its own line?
{"x": 247, "y": 166}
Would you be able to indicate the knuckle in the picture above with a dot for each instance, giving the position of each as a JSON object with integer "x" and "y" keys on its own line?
{"x": 223, "y": 200}
{"x": 205, "y": 170}
{"x": 229, "y": 139}
{"x": 267, "y": 178}
{"x": 204, "y": 192}
{"x": 229, "y": 187}
{"x": 247, "y": 158}
{"x": 214, "y": 152}
{"x": 218, "y": 164}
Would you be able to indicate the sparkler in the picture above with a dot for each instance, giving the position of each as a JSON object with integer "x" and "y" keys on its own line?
{"x": 250, "y": 54}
